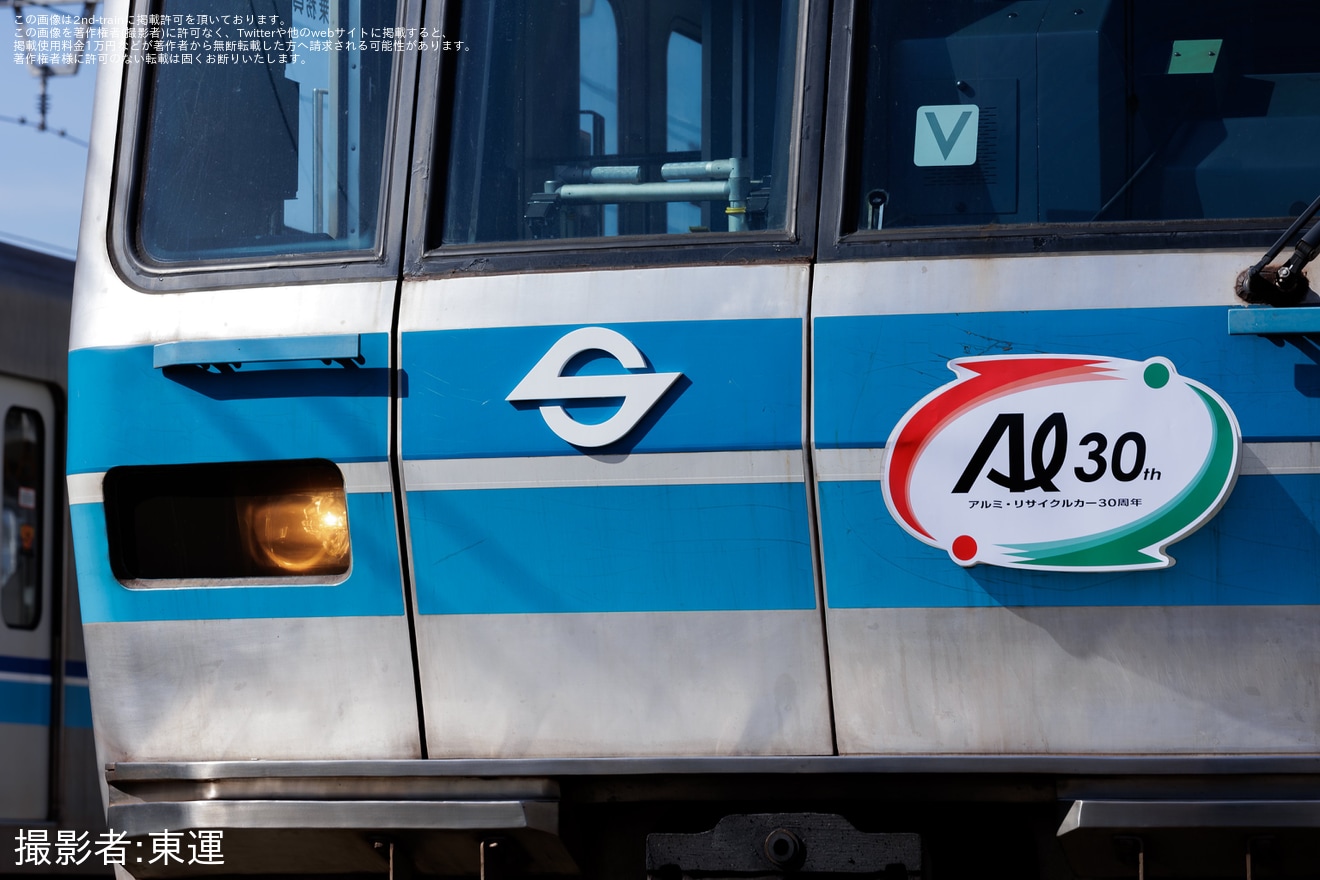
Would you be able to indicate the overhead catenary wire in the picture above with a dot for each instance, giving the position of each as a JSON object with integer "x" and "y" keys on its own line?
{"x": 60, "y": 132}
{"x": 40, "y": 67}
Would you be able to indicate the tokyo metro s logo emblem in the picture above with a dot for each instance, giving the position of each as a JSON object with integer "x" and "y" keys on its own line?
{"x": 545, "y": 383}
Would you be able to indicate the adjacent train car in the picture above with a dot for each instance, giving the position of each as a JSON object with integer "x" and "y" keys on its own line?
{"x": 703, "y": 438}
{"x": 47, "y": 763}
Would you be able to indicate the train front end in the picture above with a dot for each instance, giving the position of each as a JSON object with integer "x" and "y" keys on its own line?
{"x": 687, "y": 438}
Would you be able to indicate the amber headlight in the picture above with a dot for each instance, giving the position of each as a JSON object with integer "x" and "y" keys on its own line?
{"x": 302, "y": 533}
{"x": 227, "y": 523}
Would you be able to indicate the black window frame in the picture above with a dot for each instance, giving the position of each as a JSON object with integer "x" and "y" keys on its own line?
{"x": 42, "y": 511}
{"x": 379, "y": 262}
{"x": 796, "y": 243}
{"x": 847, "y": 78}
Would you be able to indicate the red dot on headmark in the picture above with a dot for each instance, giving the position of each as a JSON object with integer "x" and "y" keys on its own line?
{"x": 964, "y": 548}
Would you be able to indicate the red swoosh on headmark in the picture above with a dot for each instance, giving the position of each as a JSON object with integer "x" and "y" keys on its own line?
{"x": 995, "y": 377}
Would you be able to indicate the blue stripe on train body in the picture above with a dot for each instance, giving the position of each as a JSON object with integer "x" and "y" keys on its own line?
{"x": 622, "y": 548}
{"x": 673, "y": 547}
{"x": 869, "y": 370}
{"x": 741, "y": 389}
{"x": 123, "y": 411}
{"x": 25, "y": 665}
{"x": 25, "y": 687}
{"x": 28, "y": 702}
{"x": 77, "y": 706}
{"x": 730, "y": 547}
{"x": 24, "y": 700}
{"x": 1267, "y": 525}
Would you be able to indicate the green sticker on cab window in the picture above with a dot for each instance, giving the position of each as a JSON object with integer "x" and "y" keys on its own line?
{"x": 1194, "y": 56}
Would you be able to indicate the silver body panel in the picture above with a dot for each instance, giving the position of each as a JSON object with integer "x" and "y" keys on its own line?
{"x": 681, "y": 293}
{"x": 1076, "y": 681}
{"x": 1037, "y": 283}
{"x": 592, "y": 685}
{"x": 26, "y": 770}
{"x": 253, "y": 689}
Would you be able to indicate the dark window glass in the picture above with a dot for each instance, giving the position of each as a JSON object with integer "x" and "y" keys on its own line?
{"x": 991, "y": 112}
{"x": 279, "y": 150}
{"x": 21, "y": 505}
{"x": 204, "y": 524}
{"x": 587, "y": 118}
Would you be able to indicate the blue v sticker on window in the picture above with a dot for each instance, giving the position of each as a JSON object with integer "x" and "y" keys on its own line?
{"x": 945, "y": 135}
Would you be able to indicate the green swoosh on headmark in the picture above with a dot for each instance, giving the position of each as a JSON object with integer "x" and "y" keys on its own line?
{"x": 1127, "y": 545}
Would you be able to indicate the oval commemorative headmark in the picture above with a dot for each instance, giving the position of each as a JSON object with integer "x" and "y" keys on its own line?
{"x": 1061, "y": 462}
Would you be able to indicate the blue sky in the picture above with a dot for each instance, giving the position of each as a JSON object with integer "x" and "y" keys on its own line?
{"x": 42, "y": 178}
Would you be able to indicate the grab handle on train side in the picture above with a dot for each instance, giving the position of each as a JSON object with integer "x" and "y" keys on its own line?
{"x": 343, "y": 349}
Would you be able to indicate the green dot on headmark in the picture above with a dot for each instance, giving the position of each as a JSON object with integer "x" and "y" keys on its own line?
{"x": 1156, "y": 375}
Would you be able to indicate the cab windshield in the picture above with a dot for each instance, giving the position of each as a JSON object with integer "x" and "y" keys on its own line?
{"x": 979, "y": 112}
{"x": 266, "y": 127}
{"x": 591, "y": 118}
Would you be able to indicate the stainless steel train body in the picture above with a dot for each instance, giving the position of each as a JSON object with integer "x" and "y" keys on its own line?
{"x": 513, "y": 428}
{"x": 48, "y": 775}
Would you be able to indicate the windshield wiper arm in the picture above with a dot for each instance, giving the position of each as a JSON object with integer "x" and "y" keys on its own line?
{"x": 1286, "y": 285}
